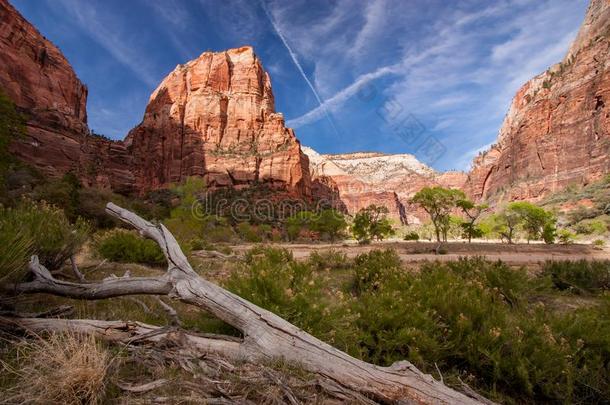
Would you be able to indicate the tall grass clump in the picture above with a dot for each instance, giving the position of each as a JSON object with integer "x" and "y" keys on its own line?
{"x": 125, "y": 246}
{"x": 15, "y": 249}
{"x": 582, "y": 276}
{"x": 47, "y": 229}
{"x": 64, "y": 368}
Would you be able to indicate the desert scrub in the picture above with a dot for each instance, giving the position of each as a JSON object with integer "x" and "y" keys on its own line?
{"x": 61, "y": 368}
{"x": 272, "y": 279}
{"x": 120, "y": 245}
{"x": 480, "y": 318}
{"x": 53, "y": 238}
{"x": 328, "y": 260}
{"x": 579, "y": 276}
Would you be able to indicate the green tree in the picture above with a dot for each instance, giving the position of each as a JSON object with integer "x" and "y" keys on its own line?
{"x": 372, "y": 223}
{"x": 472, "y": 212}
{"x": 294, "y": 224}
{"x": 438, "y": 202}
{"x": 537, "y": 222}
{"x": 505, "y": 224}
{"x": 329, "y": 222}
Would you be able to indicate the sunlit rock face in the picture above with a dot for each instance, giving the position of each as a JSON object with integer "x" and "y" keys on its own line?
{"x": 214, "y": 117}
{"x": 362, "y": 179}
{"x": 556, "y": 132}
{"x": 38, "y": 78}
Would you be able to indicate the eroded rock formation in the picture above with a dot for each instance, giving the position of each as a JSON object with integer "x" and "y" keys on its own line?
{"x": 557, "y": 131}
{"x": 362, "y": 179}
{"x": 38, "y": 78}
{"x": 215, "y": 117}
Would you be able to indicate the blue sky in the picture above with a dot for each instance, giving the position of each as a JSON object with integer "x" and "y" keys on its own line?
{"x": 380, "y": 75}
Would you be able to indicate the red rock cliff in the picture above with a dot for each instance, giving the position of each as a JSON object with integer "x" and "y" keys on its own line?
{"x": 557, "y": 131}
{"x": 38, "y": 78}
{"x": 215, "y": 117}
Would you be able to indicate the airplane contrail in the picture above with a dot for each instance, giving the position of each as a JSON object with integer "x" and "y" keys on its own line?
{"x": 294, "y": 58}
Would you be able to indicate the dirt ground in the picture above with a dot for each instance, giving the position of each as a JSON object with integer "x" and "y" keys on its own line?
{"x": 412, "y": 252}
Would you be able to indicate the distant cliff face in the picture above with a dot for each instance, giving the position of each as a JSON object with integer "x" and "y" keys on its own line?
{"x": 557, "y": 131}
{"x": 215, "y": 117}
{"x": 362, "y": 179}
{"x": 43, "y": 85}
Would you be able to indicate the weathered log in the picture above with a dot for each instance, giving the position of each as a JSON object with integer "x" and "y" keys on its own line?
{"x": 266, "y": 335}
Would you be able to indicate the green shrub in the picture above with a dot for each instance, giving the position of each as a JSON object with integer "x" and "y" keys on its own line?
{"x": 372, "y": 267}
{"x": 599, "y": 243}
{"x": 566, "y": 237}
{"x": 120, "y": 245}
{"x": 328, "y": 259}
{"x": 273, "y": 280}
{"x": 474, "y": 316}
{"x": 579, "y": 276}
{"x": 591, "y": 227}
{"x": 249, "y": 233}
{"x": 54, "y": 239}
{"x": 411, "y": 236}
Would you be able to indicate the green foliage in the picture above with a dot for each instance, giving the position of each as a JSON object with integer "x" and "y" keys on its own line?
{"x": 536, "y": 221}
{"x": 566, "y": 237}
{"x": 328, "y": 260}
{"x": 472, "y": 212}
{"x": 15, "y": 248}
{"x": 120, "y": 245}
{"x": 54, "y": 239}
{"x": 328, "y": 223}
{"x": 411, "y": 236}
{"x": 599, "y": 243}
{"x": 249, "y": 233}
{"x": 471, "y": 318}
{"x": 580, "y": 276}
{"x": 591, "y": 227}
{"x": 371, "y": 223}
{"x": 475, "y": 316}
{"x": 438, "y": 203}
{"x": 273, "y": 280}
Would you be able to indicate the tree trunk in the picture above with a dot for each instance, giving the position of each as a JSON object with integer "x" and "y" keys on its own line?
{"x": 266, "y": 335}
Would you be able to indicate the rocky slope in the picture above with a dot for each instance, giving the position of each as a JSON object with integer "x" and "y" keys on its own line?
{"x": 556, "y": 132}
{"x": 43, "y": 85}
{"x": 214, "y": 117}
{"x": 362, "y": 179}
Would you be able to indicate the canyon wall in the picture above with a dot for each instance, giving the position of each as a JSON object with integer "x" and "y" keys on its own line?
{"x": 215, "y": 117}
{"x": 556, "y": 132}
{"x": 38, "y": 78}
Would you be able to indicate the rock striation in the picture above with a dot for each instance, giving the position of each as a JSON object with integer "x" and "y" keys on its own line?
{"x": 557, "y": 131}
{"x": 214, "y": 117}
{"x": 365, "y": 178}
{"x": 38, "y": 78}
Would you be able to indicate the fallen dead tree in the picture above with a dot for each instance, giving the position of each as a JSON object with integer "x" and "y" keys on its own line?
{"x": 266, "y": 336}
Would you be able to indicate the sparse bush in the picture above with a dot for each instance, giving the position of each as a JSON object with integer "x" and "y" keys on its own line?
{"x": 591, "y": 227}
{"x": 566, "y": 237}
{"x": 54, "y": 239}
{"x": 580, "y": 276}
{"x": 120, "y": 245}
{"x": 414, "y": 236}
{"x": 599, "y": 244}
{"x": 61, "y": 369}
{"x": 328, "y": 259}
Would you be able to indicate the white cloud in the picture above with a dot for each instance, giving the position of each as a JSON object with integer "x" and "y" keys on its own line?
{"x": 110, "y": 36}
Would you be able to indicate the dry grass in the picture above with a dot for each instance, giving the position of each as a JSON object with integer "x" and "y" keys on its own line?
{"x": 62, "y": 368}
